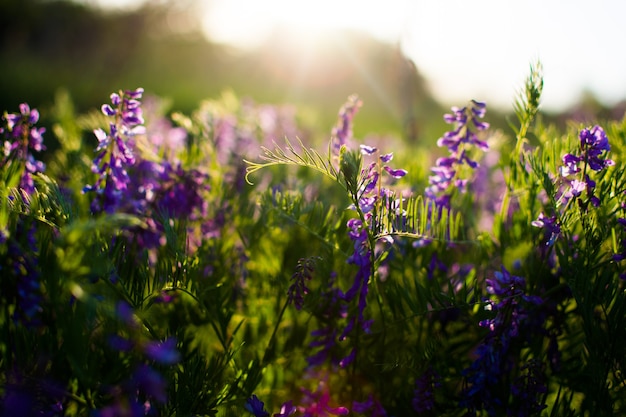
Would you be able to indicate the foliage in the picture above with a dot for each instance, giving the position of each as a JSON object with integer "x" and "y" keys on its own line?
{"x": 142, "y": 274}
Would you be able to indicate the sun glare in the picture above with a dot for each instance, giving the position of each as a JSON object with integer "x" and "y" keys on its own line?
{"x": 307, "y": 21}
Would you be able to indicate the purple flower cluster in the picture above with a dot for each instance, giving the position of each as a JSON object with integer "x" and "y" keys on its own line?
{"x": 551, "y": 230}
{"x": 593, "y": 146}
{"x": 26, "y": 395}
{"x": 303, "y": 274}
{"x": 370, "y": 407}
{"x": 20, "y": 137}
{"x": 510, "y": 313}
{"x": 134, "y": 396}
{"x": 342, "y": 132}
{"x": 114, "y": 152}
{"x": 460, "y": 141}
{"x": 23, "y": 268}
{"x": 142, "y": 183}
{"x": 333, "y": 307}
{"x": 423, "y": 395}
{"x": 512, "y": 322}
{"x": 527, "y": 390}
{"x": 362, "y": 258}
{"x": 370, "y": 194}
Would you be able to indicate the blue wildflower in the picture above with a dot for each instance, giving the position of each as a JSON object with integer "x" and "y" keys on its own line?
{"x": 256, "y": 407}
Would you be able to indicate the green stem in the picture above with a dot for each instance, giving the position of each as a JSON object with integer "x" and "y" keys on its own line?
{"x": 272, "y": 342}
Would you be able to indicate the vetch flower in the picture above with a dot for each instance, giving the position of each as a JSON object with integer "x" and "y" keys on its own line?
{"x": 22, "y": 276}
{"x": 333, "y": 307}
{"x": 370, "y": 194}
{"x": 20, "y": 138}
{"x": 342, "y": 132}
{"x": 164, "y": 353}
{"x": 371, "y": 407}
{"x": 527, "y": 390}
{"x": 551, "y": 230}
{"x": 513, "y": 323}
{"x": 303, "y": 274}
{"x": 593, "y": 146}
{"x": 256, "y": 407}
{"x": 460, "y": 141}
{"x": 114, "y": 152}
{"x": 149, "y": 382}
{"x": 423, "y": 395}
{"x": 286, "y": 409}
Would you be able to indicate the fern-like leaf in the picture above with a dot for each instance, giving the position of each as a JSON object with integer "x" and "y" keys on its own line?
{"x": 305, "y": 157}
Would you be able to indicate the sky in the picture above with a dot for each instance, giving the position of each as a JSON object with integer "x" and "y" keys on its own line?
{"x": 479, "y": 49}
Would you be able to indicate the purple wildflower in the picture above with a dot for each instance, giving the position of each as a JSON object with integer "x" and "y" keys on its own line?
{"x": 164, "y": 353}
{"x": 423, "y": 395}
{"x": 325, "y": 338}
{"x": 362, "y": 258}
{"x": 512, "y": 323}
{"x": 134, "y": 396}
{"x": 460, "y": 141}
{"x": 435, "y": 264}
{"x": 593, "y": 145}
{"x": 286, "y": 409}
{"x": 256, "y": 407}
{"x": 114, "y": 152}
{"x": 150, "y": 383}
{"x": 371, "y": 407}
{"x": 510, "y": 314}
{"x": 20, "y": 138}
{"x": 24, "y": 395}
{"x": 484, "y": 377}
{"x": 342, "y": 132}
{"x": 22, "y": 267}
{"x": 370, "y": 193}
{"x": 180, "y": 192}
{"x": 551, "y": 230}
{"x": 527, "y": 390}
{"x": 303, "y": 274}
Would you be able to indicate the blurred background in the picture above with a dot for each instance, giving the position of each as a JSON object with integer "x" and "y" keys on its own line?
{"x": 409, "y": 61}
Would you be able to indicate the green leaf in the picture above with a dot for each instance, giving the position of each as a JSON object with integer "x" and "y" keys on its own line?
{"x": 289, "y": 156}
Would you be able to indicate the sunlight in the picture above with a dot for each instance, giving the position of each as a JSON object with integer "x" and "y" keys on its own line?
{"x": 307, "y": 21}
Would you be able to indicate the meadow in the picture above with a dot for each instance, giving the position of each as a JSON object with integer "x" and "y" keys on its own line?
{"x": 233, "y": 260}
